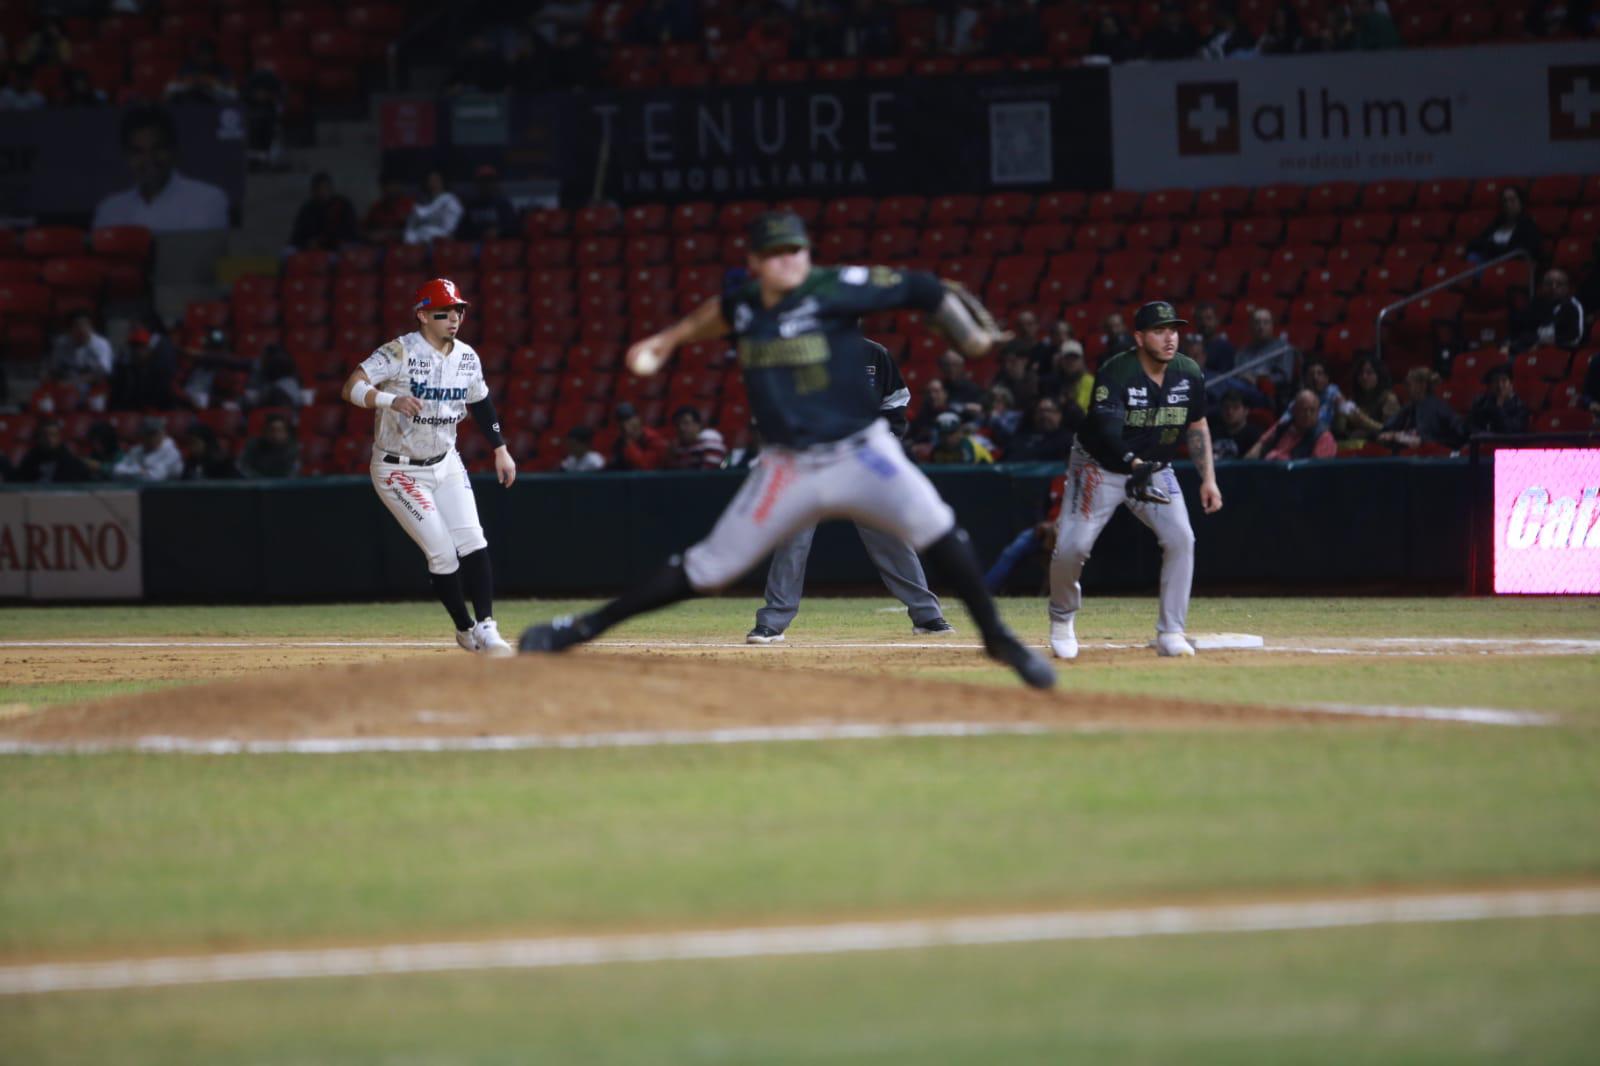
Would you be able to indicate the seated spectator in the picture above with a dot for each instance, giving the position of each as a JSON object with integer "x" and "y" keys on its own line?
{"x": 1426, "y": 419}
{"x": 47, "y": 46}
{"x": 161, "y": 199}
{"x": 1026, "y": 340}
{"x": 154, "y": 458}
{"x": 487, "y": 213}
{"x": 1511, "y": 230}
{"x": 1046, "y": 440}
{"x": 325, "y": 221}
{"x": 1114, "y": 335}
{"x": 435, "y": 217}
{"x": 1555, "y": 316}
{"x": 1330, "y": 415}
{"x": 1071, "y": 385}
{"x": 953, "y": 443}
{"x": 1232, "y": 433}
{"x": 639, "y": 447}
{"x": 697, "y": 446}
{"x": 1220, "y": 352}
{"x": 965, "y": 393}
{"x": 1061, "y": 339}
{"x": 19, "y": 93}
{"x": 1001, "y": 418}
{"x": 81, "y": 356}
{"x": 1173, "y": 37}
{"x": 386, "y": 218}
{"x": 1372, "y": 402}
{"x": 79, "y": 91}
{"x": 105, "y": 451}
{"x": 49, "y": 460}
{"x": 581, "y": 456}
{"x": 1282, "y": 36}
{"x": 203, "y": 76}
{"x": 935, "y": 402}
{"x": 214, "y": 369}
{"x": 145, "y": 375}
{"x": 205, "y": 459}
{"x": 1268, "y": 354}
{"x": 1302, "y": 437}
{"x": 1498, "y": 409}
{"x": 1589, "y": 400}
{"x": 1017, "y": 376}
{"x": 1229, "y": 37}
{"x": 274, "y": 380}
{"x": 275, "y": 453}
{"x": 1112, "y": 40}
{"x": 1374, "y": 29}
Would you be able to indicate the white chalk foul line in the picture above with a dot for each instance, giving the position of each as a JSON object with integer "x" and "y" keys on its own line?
{"x": 558, "y": 952}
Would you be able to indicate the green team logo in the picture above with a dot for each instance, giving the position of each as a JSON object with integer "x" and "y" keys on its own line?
{"x": 1102, "y": 394}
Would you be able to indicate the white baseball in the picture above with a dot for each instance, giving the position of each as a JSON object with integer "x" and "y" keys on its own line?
{"x": 646, "y": 361}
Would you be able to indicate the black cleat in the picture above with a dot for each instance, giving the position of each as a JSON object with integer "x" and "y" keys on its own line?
{"x": 1034, "y": 670}
{"x": 763, "y": 635}
{"x": 556, "y": 635}
{"x": 936, "y": 627}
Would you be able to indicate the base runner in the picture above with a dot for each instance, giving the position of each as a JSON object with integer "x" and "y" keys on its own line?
{"x": 422, "y": 384}
{"x": 826, "y": 452}
{"x": 1144, "y": 398}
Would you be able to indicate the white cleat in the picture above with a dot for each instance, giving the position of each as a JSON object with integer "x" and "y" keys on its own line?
{"x": 1063, "y": 640}
{"x": 1173, "y": 645}
{"x": 490, "y": 642}
{"x": 468, "y": 639}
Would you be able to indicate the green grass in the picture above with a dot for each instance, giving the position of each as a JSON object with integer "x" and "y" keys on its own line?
{"x": 1486, "y": 992}
{"x": 111, "y": 851}
{"x": 1102, "y": 618}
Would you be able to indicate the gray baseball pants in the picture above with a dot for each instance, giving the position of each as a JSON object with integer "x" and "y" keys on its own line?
{"x": 1092, "y": 497}
{"x": 897, "y": 565}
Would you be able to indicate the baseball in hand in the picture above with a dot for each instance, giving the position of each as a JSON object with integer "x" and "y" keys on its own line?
{"x": 645, "y": 359}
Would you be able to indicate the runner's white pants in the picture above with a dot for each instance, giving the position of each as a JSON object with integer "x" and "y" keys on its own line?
{"x": 865, "y": 478}
{"x": 434, "y": 505}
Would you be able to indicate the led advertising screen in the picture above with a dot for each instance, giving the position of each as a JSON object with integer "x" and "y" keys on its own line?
{"x": 1546, "y": 537}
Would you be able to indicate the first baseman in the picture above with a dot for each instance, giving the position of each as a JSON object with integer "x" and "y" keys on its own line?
{"x": 422, "y": 384}
{"x": 826, "y": 452}
{"x": 896, "y": 560}
{"x": 1144, "y": 398}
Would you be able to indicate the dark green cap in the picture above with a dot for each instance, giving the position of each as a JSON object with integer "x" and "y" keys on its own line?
{"x": 1157, "y": 313}
{"x": 778, "y": 229}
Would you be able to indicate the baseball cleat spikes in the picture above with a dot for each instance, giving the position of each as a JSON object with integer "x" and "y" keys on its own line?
{"x": 1032, "y": 668}
{"x": 557, "y": 635}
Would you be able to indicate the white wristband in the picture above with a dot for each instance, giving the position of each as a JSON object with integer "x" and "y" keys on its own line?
{"x": 384, "y": 399}
{"x": 358, "y": 393}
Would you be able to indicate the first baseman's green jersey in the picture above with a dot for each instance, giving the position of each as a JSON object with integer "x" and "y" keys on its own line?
{"x": 802, "y": 357}
{"x": 1152, "y": 417}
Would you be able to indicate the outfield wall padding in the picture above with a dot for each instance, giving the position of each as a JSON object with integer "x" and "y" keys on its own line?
{"x": 1297, "y": 526}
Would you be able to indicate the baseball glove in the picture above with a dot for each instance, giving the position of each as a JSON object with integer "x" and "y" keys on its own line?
{"x": 1140, "y": 487}
{"x": 965, "y": 322}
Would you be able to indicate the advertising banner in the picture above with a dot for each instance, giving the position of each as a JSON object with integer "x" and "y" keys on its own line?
{"x": 1546, "y": 537}
{"x": 1450, "y": 113}
{"x": 70, "y": 546}
{"x": 64, "y": 162}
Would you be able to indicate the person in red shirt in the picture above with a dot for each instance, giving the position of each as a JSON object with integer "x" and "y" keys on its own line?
{"x": 639, "y": 447}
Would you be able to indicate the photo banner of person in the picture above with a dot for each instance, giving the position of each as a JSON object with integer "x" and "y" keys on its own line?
{"x": 165, "y": 168}
{"x": 1491, "y": 111}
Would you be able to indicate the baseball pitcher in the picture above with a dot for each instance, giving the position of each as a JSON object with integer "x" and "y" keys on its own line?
{"x": 827, "y": 452}
{"x": 896, "y": 561}
{"x": 1144, "y": 398}
{"x": 422, "y": 384}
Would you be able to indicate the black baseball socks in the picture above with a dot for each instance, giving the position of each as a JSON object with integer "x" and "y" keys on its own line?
{"x": 477, "y": 577}
{"x": 665, "y": 587}
{"x": 448, "y": 588}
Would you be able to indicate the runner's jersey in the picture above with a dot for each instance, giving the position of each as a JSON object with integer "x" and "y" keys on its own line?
{"x": 802, "y": 357}
{"x": 446, "y": 384}
{"x": 1153, "y": 416}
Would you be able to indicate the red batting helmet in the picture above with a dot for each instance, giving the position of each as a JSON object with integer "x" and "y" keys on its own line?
{"x": 440, "y": 292}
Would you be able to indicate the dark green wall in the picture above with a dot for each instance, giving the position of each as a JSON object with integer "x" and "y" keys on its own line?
{"x": 1319, "y": 524}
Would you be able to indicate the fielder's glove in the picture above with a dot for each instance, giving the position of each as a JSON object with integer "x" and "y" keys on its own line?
{"x": 1140, "y": 487}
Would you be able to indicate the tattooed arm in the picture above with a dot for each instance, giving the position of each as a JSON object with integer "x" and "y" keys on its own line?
{"x": 1199, "y": 441}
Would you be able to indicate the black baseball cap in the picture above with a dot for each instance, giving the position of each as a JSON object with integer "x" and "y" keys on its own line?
{"x": 778, "y": 229}
{"x": 1157, "y": 313}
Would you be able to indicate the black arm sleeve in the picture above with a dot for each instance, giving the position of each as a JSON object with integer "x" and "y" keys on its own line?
{"x": 1102, "y": 439}
{"x": 483, "y": 413}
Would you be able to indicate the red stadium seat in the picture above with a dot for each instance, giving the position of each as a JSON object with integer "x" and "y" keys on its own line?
{"x": 1006, "y": 207}
{"x": 1222, "y": 201}
{"x": 1388, "y": 197}
{"x": 1444, "y": 194}
{"x": 1114, "y": 204}
{"x": 128, "y": 243}
{"x": 1332, "y": 198}
{"x": 44, "y": 242}
{"x": 1168, "y": 204}
{"x": 901, "y": 210}
{"x": 1065, "y": 206}
{"x": 1279, "y": 200}
{"x": 949, "y": 210}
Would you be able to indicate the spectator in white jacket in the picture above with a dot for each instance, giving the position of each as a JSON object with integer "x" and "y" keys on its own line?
{"x": 436, "y": 216}
{"x": 155, "y": 458}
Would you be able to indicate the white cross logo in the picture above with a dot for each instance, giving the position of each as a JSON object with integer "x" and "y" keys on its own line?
{"x": 1208, "y": 119}
{"x": 1581, "y": 103}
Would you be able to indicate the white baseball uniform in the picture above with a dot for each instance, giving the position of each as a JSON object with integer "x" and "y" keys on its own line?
{"x": 415, "y": 466}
